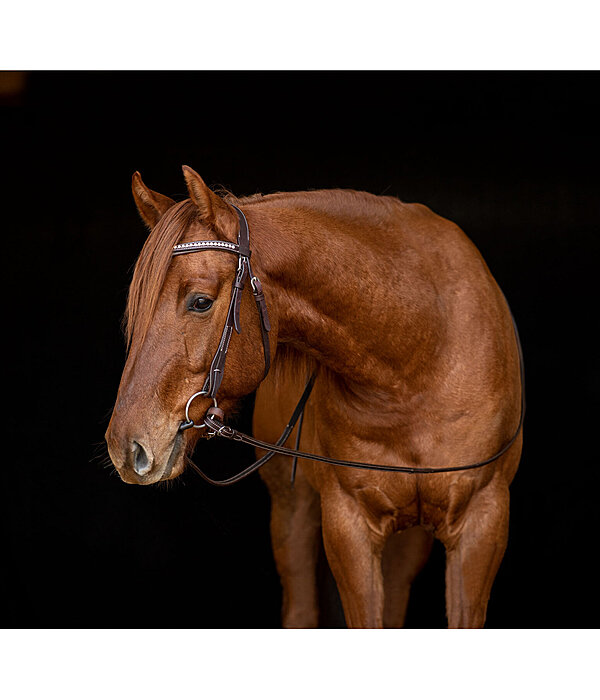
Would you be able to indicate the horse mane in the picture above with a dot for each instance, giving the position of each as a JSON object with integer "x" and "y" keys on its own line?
{"x": 340, "y": 203}
{"x": 151, "y": 268}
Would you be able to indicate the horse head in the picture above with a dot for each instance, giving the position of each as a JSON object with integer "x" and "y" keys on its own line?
{"x": 176, "y": 311}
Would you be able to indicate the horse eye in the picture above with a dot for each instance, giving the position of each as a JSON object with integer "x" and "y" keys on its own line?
{"x": 200, "y": 304}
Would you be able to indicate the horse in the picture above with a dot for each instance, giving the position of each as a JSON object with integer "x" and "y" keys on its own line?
{"x": 410, "y": 342}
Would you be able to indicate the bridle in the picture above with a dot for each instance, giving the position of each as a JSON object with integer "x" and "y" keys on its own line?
{"x": 244, "y": 270}
{"x": 213, "y": 420}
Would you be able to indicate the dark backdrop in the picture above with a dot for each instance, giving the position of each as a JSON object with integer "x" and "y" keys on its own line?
{"x": 512, "y": 157}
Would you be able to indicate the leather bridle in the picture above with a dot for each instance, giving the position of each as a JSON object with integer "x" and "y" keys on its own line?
{"x": 244, "y": 270}
{"x": 213, "y": 420}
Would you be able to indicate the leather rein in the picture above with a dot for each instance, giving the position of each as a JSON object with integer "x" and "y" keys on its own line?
{"x": 213, "y": 420}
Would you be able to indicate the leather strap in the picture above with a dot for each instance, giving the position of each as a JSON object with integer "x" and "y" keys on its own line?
{"x": 297, "y": 447}
{"x": 298, "y": 412}
{"x": 214, "y": 423}
{"x": 265, "y": 324}
{"x": 243, "y": 234}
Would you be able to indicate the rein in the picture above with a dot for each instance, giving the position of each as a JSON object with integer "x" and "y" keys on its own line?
{"x": 213, "y": 420}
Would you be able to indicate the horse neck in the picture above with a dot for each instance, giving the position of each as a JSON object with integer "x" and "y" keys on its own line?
{"x": 349, "y": 290}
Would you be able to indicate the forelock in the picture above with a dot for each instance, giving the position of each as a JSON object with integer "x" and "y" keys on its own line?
{"x": 151, "y": 268}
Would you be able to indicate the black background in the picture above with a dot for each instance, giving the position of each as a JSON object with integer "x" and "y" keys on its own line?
{"x": 511, "y": 157}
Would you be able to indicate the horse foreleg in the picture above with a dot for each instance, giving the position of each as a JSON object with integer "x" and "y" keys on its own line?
{"x": 474, "y": 550}
{"x": 295, "y": 534}
{"x": 404, "y": 555}
{"x": 353, "y": 551}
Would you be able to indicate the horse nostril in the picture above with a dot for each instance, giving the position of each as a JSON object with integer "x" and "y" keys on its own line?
{"x": 141, "y": 462}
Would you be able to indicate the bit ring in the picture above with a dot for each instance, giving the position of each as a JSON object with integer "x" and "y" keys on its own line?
{"x": 187, "y": 408}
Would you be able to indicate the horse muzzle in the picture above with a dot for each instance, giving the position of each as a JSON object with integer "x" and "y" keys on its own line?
{"x": 137, "y": 463}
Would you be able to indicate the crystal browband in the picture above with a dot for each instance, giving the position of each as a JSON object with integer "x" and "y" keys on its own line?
{"x": 182, "y": 248}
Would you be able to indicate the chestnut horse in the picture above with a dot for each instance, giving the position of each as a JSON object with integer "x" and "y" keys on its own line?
{"x": 416, "y": 363}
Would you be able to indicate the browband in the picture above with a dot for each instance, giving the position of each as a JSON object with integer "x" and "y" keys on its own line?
{"x": 242, "y": 248}
{"x": 192, "y": 247}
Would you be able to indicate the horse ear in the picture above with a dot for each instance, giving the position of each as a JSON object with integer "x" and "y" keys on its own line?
{"x": 151, "y": 205}
{"x": 213, "y": 210}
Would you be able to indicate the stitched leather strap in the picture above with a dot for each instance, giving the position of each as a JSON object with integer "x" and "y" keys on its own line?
{"x": 298, "y": 413}
{"x": 265, "y": 324}
{"x": 214, "y": 423}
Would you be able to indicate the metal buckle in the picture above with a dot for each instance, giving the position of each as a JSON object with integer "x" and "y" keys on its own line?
{"x": 225, "y": 431}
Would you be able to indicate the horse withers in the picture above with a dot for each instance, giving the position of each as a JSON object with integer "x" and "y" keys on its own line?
{"x": 416, "y": 363}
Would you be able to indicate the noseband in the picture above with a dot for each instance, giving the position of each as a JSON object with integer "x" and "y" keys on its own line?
{"x": 213, "y": 420}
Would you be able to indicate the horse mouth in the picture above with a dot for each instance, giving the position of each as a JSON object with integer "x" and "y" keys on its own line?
{"x": 176, "y": 452}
